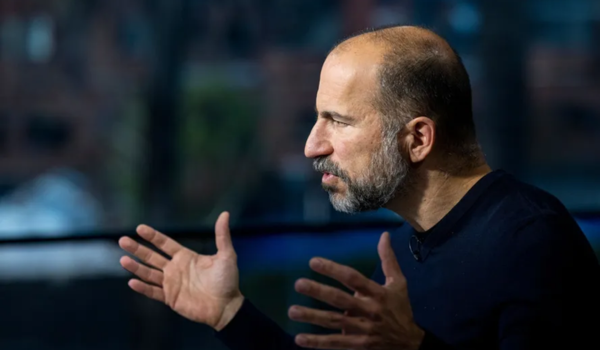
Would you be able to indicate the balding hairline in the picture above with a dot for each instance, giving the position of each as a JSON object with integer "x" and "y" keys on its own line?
{"x": 421, "y": 74}
{"x": 414, "y": 37}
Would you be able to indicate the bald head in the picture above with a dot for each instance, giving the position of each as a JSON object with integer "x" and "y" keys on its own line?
{"x": 419, "y": 74}
{"x": 412, "y": 40}
{"x": 388, "y": 101}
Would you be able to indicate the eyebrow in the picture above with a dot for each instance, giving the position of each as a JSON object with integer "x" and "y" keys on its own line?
{"x": 332, "y": 114}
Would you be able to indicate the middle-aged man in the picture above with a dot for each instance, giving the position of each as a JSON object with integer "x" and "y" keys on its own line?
{"x": 485, "y": 261}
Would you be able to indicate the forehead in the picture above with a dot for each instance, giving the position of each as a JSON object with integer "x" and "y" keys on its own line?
{"x": 348, "y": 81}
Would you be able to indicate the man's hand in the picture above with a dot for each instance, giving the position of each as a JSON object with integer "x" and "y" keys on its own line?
{"x": 376, "y": 317}
{"x": 201, "y": 288}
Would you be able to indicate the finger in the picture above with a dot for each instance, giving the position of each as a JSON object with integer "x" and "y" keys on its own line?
{"x": 333, "y": 341}
{"x": 152, "y": 292}
{"x": 348, "y": 276}
{"x": 356, "y": 313}
{"x": 145, "y": 273}
{"x": 357, "y": 325}
{"x": 389, "y": 262}
{"x": 352, "y": 314}
{"x": 143, "y": 253}
{"x": 223, "y": 234}
{"x": 330, "y": 320}
{"x": 326, "y": 319}
{"x": 159, "y": 240}
{"x": 331, "y": 296}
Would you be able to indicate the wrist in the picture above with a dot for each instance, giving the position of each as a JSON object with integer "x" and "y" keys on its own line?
{"x": 417, "y": 338}
{"x": 231, "y": 309}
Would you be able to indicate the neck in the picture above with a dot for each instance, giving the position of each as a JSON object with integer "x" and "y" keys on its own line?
{"x": 433, "y": 195}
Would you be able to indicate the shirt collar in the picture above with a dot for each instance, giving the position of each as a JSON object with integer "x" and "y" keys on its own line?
{"x": 421, "y": 243}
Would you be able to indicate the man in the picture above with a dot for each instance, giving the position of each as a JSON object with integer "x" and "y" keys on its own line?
{"x": 485, "y": 261}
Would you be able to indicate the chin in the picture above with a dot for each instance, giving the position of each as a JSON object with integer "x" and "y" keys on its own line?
{"x": 333, "y": 189}
{"x": 343, "y": 204}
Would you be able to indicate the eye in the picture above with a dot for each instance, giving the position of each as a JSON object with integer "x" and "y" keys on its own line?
{"x": 338, "y": 123}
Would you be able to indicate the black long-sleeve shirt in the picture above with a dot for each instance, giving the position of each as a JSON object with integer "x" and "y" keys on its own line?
{"x": 507, "y": 268}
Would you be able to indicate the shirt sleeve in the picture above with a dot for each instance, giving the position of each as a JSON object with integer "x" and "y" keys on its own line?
{"x": 250, "y": 329}
{"x": 431, "y": 342}
{"x": 551, "y": 288}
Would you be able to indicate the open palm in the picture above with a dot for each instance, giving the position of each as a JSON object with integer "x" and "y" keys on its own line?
{"x": 201, "y": 288}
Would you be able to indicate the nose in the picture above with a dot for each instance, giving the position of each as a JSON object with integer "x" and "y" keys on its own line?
{"x": 317, "y": 144}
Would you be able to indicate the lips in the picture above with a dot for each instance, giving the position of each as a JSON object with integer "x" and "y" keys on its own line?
{"x": 328, "y": 177}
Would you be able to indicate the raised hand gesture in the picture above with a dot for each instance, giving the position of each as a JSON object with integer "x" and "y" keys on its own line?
{"x": 377, "y": 317}
{"x": 201, "y": 288}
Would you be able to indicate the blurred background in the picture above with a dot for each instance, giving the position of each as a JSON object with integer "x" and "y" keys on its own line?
{"x": 167, "y": 112}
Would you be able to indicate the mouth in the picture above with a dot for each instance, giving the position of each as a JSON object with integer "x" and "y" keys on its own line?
{"x": 328, "y": 177}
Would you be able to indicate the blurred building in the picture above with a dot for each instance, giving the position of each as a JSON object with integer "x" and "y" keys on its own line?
{"x": 67, "y": 68}
{"x": 177, "y": 110}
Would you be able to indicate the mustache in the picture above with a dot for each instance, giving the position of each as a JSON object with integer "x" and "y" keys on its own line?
{"x": 326, "y": 165}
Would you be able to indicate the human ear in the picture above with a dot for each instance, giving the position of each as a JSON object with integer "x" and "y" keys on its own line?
{"x": 419, "y": 138}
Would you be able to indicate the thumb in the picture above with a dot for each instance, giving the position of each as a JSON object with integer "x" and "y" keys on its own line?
{"x": 223, "y": 235}
{"x": 389, "y": 263}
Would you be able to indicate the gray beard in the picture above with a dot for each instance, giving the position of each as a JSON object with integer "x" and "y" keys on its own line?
{"x": 386, "y": 178}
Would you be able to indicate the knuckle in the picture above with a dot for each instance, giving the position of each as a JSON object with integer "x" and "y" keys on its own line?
{"x": 369, "y": 328}
{"x": 141, "y": 252}
{"x": 380, "y": 296}
{"x": 375, "y": 311}
{"x": 144, "y": 274}
{"x": 336, "y": 320}
{"x": 156, "y": 277}
{"x": 354, "y": 278}
{"x": 340, "y": 300}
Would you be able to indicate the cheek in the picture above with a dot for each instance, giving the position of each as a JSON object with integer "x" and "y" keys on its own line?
{"x": 354, "y": 156}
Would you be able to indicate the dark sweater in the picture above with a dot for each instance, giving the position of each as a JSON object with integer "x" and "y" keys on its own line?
{"x": 506, "y": 268}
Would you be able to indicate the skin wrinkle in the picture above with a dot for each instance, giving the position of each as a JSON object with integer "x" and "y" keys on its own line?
{"x": 387, "y": 154}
